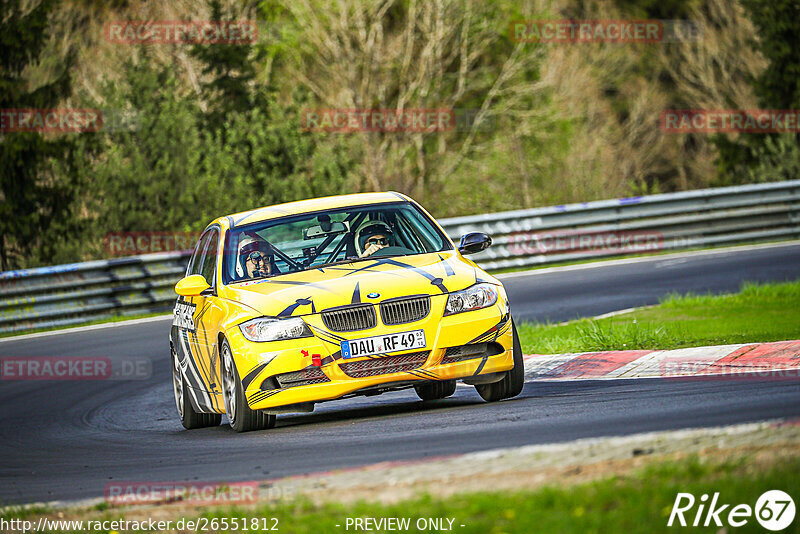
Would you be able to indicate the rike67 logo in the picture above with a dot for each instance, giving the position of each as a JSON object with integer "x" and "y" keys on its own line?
{"x": 774, "y": 510}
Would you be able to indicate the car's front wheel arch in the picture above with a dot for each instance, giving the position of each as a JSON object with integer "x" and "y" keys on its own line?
{"x": 240, "y": 416}
{"x": 513, "y": 382}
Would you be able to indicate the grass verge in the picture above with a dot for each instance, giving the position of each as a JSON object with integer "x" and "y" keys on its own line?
{"x": 636, "y": 501}
{"x": 758, "y": 313}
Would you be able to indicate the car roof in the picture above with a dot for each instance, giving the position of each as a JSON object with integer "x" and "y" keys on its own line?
{"x": 310, "y": 205}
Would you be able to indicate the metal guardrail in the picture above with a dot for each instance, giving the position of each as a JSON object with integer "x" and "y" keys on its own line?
{"x": 700, "y": 218}
{"x": 80, "y": 292}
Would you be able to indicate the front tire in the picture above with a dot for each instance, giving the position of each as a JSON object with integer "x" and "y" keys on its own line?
{"x": 190, "y": 419}
{"x": 240, "y": 416}
{"x": 511, "y": 385}
{"x": 436, "y": 390}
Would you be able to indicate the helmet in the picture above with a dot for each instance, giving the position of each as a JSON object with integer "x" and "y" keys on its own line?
{"x": 247, "y": 245}
{"x": 369, "y": 228}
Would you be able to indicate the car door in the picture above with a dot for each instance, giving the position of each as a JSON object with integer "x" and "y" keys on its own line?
{"x": 192, "y": 326}
{"x": 208, "y": 316}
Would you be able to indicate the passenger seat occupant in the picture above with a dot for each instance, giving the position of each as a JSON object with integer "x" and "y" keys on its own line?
{"x": 256, "y": 258}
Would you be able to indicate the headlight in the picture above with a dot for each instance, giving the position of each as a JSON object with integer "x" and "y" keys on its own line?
{"x": 272, "y": 329}
{"x": 473, "y": 298}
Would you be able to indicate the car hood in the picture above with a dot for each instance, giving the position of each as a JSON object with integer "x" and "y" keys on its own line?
{"x": 364, "y": 281}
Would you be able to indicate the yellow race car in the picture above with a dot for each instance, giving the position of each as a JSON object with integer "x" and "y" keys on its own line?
{"x": 310, "y": 301}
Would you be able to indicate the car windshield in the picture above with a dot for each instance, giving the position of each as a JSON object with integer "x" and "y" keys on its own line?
{"x": 314, "y": 240}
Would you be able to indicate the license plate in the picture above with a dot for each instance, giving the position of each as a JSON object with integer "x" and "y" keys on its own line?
{"x": 367, "y": 346}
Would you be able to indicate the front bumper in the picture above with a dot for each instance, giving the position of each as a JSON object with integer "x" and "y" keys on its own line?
{"x": 264, "y": 366}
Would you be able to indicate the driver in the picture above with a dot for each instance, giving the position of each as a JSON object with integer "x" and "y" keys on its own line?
{"x": 371, "y": 236}
{"x": 256, "y": 258}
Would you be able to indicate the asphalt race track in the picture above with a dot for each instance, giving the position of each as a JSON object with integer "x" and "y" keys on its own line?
{"x": 67, "y": 440}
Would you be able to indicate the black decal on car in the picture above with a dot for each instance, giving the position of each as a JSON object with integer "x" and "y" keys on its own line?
{"x": 291, "y": 308}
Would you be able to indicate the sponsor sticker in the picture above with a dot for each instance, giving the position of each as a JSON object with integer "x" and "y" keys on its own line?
{"x": 183, "y": 315}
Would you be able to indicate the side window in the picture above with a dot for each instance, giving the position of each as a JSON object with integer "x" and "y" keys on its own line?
{"x": 195, "y": 262}
{"x": 209, "y": 262}
{"x": 423, "y": 230}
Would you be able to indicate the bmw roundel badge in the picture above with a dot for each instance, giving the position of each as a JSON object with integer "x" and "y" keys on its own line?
{"x": 373, "y": 295}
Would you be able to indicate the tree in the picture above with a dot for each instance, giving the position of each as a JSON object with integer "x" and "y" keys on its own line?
{"x": 254, "y": 144}
{"x": 769, "y": 157}
{"x": 354, "y": 54}
{"x": 147, "y": 177}
{"x": 32, "y": 199}
{"x": 228, "y": 74}
{"x": 777, "y": 25}
{"x": 264, "y": 157}
{"x": 171, "y": 173}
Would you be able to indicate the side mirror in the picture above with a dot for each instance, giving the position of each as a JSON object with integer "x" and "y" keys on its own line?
{"x": 474, "y": 242}
{"x": 191, "y": 286}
